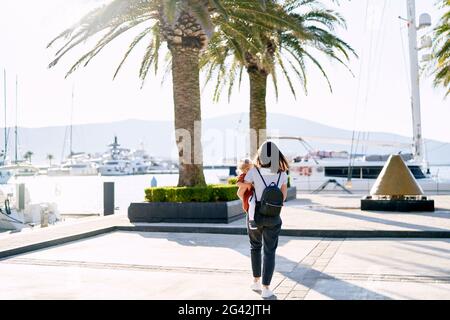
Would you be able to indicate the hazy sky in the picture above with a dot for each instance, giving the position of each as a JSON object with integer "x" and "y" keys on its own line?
{"x": 380, "y": 104}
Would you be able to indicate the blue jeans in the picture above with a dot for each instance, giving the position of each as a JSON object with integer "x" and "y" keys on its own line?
{"x": 265, "y": 236}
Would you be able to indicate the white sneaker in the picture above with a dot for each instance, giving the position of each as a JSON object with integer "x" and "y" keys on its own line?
{"x": 266, "y": 293}
{"x": 256, "y": 286}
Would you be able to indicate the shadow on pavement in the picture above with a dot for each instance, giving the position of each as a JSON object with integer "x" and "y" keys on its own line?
{"x": 338, "y": 289}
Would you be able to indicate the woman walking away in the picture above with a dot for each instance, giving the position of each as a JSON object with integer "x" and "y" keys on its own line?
{"x": 269, "y": 179}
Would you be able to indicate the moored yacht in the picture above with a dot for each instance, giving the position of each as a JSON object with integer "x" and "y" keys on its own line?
{"x": 119, "y": 161}
{"x": 21, "y": 169}
{"x": 76, "y": 165}
{"x": 311, "y": 173}
{"x": 115, "y": 162}
{"x": 19, "y": 212}
{"x": 139, "y": 160}
{"x": 115, "y": 167}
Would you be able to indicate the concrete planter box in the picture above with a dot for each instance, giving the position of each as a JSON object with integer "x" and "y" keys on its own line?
{"x": 188, "y": 212}
{"x": 191, "y": 212}
{"x": 291, "y": 194}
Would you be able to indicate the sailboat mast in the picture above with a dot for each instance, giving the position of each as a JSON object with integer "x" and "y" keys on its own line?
{"x": 415, "y": 85}
{"x": 15, "y": 128}
{"x": 71, "y": 124}
{"x": 4, "y": 87}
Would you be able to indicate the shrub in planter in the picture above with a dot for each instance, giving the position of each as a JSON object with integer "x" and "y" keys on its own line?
{"x": 156, "y": 194}
{"x": 210, "y": 193}
{"x": 223, "y": 192}
{"x": 171, "y": 195}
{"x": 192, "y": 194}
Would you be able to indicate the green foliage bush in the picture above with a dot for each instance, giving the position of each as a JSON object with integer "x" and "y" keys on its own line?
{"x": 232, "y": 180}
{"x": 210, "y": 193}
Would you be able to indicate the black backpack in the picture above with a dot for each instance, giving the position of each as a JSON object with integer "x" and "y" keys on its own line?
{"x": 271, "y": 199}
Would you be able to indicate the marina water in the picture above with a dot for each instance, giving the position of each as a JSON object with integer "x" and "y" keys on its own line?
{"x": 84, "y": 194}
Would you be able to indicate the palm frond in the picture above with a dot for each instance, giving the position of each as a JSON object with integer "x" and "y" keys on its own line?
{"x": 440, "y": 65}
{"x": 135, "y": 42}
{"x": 300, "y": 25}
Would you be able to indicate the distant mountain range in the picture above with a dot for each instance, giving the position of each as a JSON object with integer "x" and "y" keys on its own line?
{"x": 157, "y": 138}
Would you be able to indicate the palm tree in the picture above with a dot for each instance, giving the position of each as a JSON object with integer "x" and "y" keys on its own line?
{"x": 50, "y": 157}
{"x": 441, "y": 62}
{"x": 286, "y": 49}
{"x": 27, "y": 156}
{"x": 185, "y": 26}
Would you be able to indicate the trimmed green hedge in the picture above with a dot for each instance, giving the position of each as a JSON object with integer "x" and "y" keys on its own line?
{"x": 210, "y": 193}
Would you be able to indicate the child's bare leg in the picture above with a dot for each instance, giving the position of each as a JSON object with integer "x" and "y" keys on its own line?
{"x": 251, "y": 208}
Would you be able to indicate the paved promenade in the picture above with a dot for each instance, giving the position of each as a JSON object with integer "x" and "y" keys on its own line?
{"x": 110, "y": 258}
{"x": 342, "y": 213}
{"x": 134, "y": 265}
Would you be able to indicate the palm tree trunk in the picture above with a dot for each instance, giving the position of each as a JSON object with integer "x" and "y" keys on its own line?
{"x": 186, "y": 93}
{"x": 258, "y": 113}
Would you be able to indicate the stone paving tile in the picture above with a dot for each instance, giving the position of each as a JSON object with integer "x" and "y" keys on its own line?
{"x": 284, "y": 290}
{"x": 319, "y": 266}
{"x": 300, "y": 287}
{"x": 309, "y": 261}
{"x": 323, "y": 259}
{"x": 284, "y": 287}
{"x": 315, "y": 254}
{"x": 297, "y": 295}
{"x": 307, "y": 271}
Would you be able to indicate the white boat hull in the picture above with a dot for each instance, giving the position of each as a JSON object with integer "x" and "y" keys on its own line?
{"x": 78, "y": 173}
{"x": 32, "y": 216}
{"x": 309, "y": 177}
{"x": 112, "y": 172}
{"x": 310, "y": 184}
{"x": 5, "y": 175}
{"x": 14, "y": 221}
{"x": 72, "y": 172}
{"x": 58, "y": 173}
